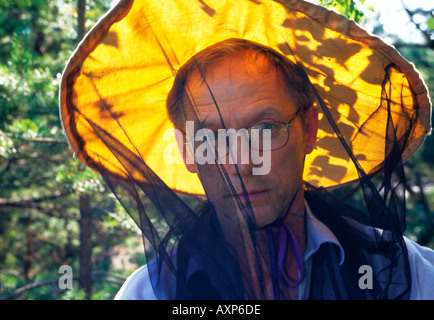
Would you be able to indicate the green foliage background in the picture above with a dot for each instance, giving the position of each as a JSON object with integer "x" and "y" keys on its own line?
{"x": 41, "y": 182}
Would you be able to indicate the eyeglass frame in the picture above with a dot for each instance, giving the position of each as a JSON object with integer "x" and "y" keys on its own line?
{"x": 287, "y": 126}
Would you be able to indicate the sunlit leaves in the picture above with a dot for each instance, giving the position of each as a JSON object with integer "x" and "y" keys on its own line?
{"x": 348, "y": 8}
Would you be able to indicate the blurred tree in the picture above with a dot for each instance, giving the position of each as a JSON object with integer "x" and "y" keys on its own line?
{"x": 423, "y": 19}
{"x": 41, "y": 183}
{"x": 348, "y": 8}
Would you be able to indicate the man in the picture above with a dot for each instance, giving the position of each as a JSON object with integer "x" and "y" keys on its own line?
{"x": 249, "y": 90}
{"x": 313, "y": 101}
{"x": 241, "y": 84}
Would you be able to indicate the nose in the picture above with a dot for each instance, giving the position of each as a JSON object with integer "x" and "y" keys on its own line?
{"x": 239, "y": 159}
{"x": 243, "y": 169}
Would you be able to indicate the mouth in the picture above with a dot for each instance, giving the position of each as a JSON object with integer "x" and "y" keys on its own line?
{"x": 253, "y": 195}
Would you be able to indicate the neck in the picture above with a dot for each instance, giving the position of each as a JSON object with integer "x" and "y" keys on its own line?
{"x": 256, "y": 269}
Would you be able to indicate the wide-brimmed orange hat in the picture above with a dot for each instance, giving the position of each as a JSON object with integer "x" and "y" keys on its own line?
{"x": 117, "y": 81}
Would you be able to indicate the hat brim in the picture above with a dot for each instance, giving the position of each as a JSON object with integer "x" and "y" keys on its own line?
{"x": 114, "y": 88}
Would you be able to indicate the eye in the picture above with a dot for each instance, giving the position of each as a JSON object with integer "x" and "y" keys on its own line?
{"x": 257, "y": 131}
{"x": 265, "y": 126}
{"x": 275, "y": 128}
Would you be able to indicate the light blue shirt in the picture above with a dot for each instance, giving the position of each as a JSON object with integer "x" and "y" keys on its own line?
{"x": 138, "y": 285}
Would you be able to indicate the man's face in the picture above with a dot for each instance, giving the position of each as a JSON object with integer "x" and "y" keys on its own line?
{"x": 248, "y": 91}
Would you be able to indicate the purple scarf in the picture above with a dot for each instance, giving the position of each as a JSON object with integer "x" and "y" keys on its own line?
{"x": 279, "y": 238}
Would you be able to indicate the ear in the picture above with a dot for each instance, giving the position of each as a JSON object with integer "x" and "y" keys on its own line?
{"x": 311, "y": 125}
{"x": 190, "y": 164}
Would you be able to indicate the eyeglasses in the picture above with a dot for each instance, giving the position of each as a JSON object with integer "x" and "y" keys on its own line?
{"x": 262, "y": 137}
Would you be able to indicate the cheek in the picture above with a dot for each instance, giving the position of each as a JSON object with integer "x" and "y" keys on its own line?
{"x": 286, "y": 172}
{"x": 215, "y": 187}
{"x": 288, "y": 162}
{"x": 209, "y": 178}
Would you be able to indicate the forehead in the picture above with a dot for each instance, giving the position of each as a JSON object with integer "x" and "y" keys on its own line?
{"x": 240, "y": 68}
{"x": 240, "y": 86}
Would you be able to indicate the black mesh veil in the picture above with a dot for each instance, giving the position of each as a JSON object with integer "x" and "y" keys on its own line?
{"x": 190, "y": 257}
{"x": 196, "y": 249}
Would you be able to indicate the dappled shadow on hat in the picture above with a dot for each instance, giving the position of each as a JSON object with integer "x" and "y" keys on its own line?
{"x": 321, "y": 166}
{"x": 124, "y": 71}
{"x": 207, "y": 9}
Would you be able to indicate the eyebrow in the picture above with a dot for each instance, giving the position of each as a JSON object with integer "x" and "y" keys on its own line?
{"x": 268, "y": 111}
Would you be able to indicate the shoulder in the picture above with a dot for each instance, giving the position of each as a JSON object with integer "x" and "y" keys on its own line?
{"x": 422, "y": 270}
{"x": 138, "y": 286}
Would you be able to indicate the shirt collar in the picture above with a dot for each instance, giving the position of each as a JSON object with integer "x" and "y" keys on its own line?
{"x": 318, "y": 234}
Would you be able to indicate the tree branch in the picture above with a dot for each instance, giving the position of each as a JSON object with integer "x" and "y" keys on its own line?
{"x": 48, "y": 140}
{"x": 81, "y": 15}
{"x": 399, "y": 45}
{"x": 29, "y": 286}
{"x": 36, "y": 139}
{"x": 54, "y": 281}
{"x": 411, "y": 14}
{"x": 28, "y": 202}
